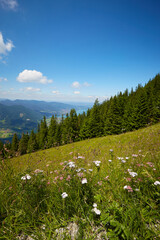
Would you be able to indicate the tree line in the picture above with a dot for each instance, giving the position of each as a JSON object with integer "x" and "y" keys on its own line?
{"x": 124, "y": 112}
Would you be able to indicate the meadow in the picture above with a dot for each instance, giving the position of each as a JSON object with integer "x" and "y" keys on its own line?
{"x": 101, "y": 188}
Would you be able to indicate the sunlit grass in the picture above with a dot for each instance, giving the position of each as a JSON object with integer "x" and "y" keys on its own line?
{"x": 119, "y": 197}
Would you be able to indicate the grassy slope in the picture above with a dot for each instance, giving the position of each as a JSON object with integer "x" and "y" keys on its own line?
{"x": 26, "y": 206}
{"x": 147, "y": 140}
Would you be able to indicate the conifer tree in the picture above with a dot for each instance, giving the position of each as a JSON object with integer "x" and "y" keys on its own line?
{"x": 73, "y": 128}
{"x": 113, "y": 123}
{"x": 23, "y": 143}
{"x": 42, "y": 134}
{"x": 52, "y": 131}
{"x": 94, "y": 121}
{"x": 32, "y": 143}
{"x": 15, "y": 143}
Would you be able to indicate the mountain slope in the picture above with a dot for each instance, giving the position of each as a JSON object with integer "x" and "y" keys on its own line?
{"x": 18, "y": 117}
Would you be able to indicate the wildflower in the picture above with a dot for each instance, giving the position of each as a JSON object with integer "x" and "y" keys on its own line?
{"x": 48, "y": 183}
{"x": 68, "y": 178}
{"x": 61, "y": 178}
{"x": 61, "y": 163}
{"x": 127, "y": 158}
{"x": 97, "y": 163}
{"x": 156, "y": 183}
{"x": 94, "y": 205}
{"x": 90, "y": 170}
{"x": 38, "y": 171}
{"x": 64, "y": 195}
{"x": 128, "y": 179}
{"x": 123, "y": 161}
{"x": 27, "y": 176}
{"x": 133, "y": 174}
{"x": 137, "y": 190}
{"x": 80, "y": 174}
{"x": 109, "y": 160}
{"x": 106, "y": 178}
{"x": 100, "y": 183}
{"x": 134, "y": 155}
{"x": 97, "y": 211}
{"x": 47, "y": 165}
{"x": 70, "y": 153}
{"x": 71, "y": 164}
{"x": 111, "y": 150}
{"x": 84, "y": 180}
{"x": 128, "y": 188}
{"x": 81, "y": 157}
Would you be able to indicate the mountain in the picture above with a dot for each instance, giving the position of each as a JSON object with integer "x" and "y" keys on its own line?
{"x": 45, "y": 108}
{"x": 18, "y": 117}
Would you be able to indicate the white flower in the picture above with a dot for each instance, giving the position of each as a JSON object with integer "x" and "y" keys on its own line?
{"x": 71, "y": 164}
{"x": 27, "y": 176}
{"x": 84, "y": 180}
{"x": 123, "y": 161}
{"x": 64, "y": 195}
{"x": 125, "y": 187}
{"x": 137, "y": 190}
{"x": 90, "y": 170}
{"x": 156, "y": 183}
{"x": 111, "y": 150}
{"x": 97, "y": 163}
{"x": 133, "y": 174}
{"x": 81, "y": 157}
{"x": 38, "y": 171}
{"x": 127, "y": 158}
{"x": 97, "y": 211}
{"x": 109, "y": 160}
{"x": 94, "y": 205}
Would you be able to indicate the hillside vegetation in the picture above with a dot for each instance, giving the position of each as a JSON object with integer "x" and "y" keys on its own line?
{"x": 104, "y": 188}
{"x": 124, "y": 112}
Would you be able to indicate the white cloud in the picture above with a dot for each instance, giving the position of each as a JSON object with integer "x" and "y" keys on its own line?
{"x": 76, "y": 84}
{"x": 31, "y": 89}
{"x": 56, "y": 92}
{"x": 76, "y": 92}
{"x": 3, "y": 79}
{"x": 5, "y": 47}
{"x": 9, "y": 4}
{"x": 86, "y": 84}
{"x": 32, "y": 76}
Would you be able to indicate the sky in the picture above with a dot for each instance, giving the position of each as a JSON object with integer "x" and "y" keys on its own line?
{"x": 77, "y": 50}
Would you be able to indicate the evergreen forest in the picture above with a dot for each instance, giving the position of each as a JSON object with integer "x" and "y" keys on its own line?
{"x": 127, "y": 111}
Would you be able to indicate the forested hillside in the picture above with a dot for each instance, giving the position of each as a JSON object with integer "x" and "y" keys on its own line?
{"x": 124, "y": 112}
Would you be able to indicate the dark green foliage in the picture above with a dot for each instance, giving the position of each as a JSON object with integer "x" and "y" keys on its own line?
{"x": 52, "y": 131}
{"x": 121, "y": 113}
{"x": 15, "y": 142}
{"x": 23, "y": 144}
{"x": 32, "y": 143}
{"x": 42, "y": 134}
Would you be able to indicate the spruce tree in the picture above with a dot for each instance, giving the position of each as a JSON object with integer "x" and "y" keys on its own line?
{"x": 32, "y": 143}
{"x": 42, "y": 134}
{"x": 15, "y": 143}
{"x": 23, "y": 143}
{"x": 52, "y": 131}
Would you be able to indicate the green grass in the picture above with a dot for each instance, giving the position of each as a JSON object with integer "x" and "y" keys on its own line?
{"x": 35, "y": 206}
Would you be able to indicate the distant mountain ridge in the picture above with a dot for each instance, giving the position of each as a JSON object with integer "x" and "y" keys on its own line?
{"x": 23, "y": 115}
{"x": 45, "y": 108}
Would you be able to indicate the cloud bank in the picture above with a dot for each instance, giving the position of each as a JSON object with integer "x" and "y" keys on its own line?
{"x": 28, "y": 76}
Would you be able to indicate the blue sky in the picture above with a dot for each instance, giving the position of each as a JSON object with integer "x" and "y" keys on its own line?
{"x": 77, "y": 50}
